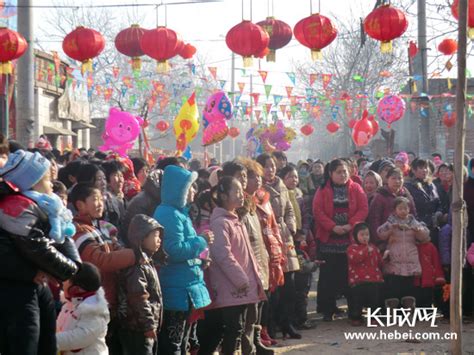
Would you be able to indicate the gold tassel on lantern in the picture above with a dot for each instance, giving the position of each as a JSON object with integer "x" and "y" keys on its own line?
{"x": 316, "y": 54}
{"x": 271, "y": 56}
{"x": 86, "y": 66}
{"x": 386, "y": 47}
{"x": 470, "y": 33}
{"x": 248, "y": 62}
{"x": 136, "y": 64}
{"x": 162, "y": 67}
{"x": 6, "y": 68}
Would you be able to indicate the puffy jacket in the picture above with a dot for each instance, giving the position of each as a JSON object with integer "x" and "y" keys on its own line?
{"x": 181, "y": 278}
{"x": 82, "y": 326}
{"x": 323, "y": 208}
{"x": 139, "y": 296}
{"x": 426, "y": 200}
{"x": 364, "y": 265}
{"x": 285, "y": 218}
{"x": 470, "y": 255}
{"x": 144, "y": 203}
{"x": 25, "y": 245}
{"x": 431, "y": 271}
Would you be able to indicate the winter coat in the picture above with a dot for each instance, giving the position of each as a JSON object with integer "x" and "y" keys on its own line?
{"x": 469, "y": 198}
{"x": 432, "y": 273}
{"x": 285, "y": 217}
{"x": 271, "y": 238}
{"x": 181, "y": 277}
{"x": 233, "y": 263}
{"x": 323, "y": 208}
{"x": 382, "y": 207}
{"x": 445, "y": 197}
{"x": 257, "y": 245}
{"x": 444, "y": 244}
{"x": 426, "y": 198}
{"x": 82, "y": 326}
{"x": 25, "y": 245}
{"x": 403, "y": 254}
{"x": 144, "y": 203}
{"x": 304, "y": 203}
{"x": 470, "y": 255}
{"x": 139, "y": 296}
{"x": 109, "y": 258}
{"x": 364, "y": 265}
{"x": 114, "y": 209}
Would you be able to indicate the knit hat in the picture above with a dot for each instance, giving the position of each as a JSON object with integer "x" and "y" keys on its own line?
{"x": 25, "y": 169}
{"x": 87, "y": 278}
{"x": 384, "y": 164}
{"x": 403, "y": 157}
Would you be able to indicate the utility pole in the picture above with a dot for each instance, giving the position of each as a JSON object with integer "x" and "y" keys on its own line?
{"x": 421, "y": 70}
{"x": 25, "y": 120}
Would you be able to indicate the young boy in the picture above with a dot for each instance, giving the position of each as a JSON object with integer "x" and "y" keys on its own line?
{"x": 140, "y": 299}
{"x": 82, "y": 323}
{"x": 108, "y": 257}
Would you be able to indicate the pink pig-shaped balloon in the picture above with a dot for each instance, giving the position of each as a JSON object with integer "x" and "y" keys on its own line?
{"x": 218, "y": 109}
{"x": 121, "y": 131}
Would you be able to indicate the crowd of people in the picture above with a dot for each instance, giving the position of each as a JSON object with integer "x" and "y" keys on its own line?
{"x": 104, "y": 254}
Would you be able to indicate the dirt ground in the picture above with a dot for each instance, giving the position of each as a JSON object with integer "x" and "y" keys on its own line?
{"x": 328, "y": 338}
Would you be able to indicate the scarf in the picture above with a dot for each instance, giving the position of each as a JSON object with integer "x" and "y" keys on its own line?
{"x": 296, "y": 208}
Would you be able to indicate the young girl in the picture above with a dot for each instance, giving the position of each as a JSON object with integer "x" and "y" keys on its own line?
{"x": 402, "y": 231}
{"x": 233, "y": 273}
{"x": 372, "y": 181}
{"x": 364, "y": 271}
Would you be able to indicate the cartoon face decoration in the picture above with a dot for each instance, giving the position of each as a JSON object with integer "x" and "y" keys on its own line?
{"x": 122, "y": 127}
{"x": 218, "y": 107}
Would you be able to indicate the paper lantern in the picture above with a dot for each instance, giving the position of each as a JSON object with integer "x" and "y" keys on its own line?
{"x": 247, "y": 39}
{"x": 307, "y": 129}
{"x": 127, "y": 42}
{"x": 448, "y": 46}
{"x": 13, "y": 46}
{"x": 188, "y": 51}
{"x": 234, "y": 132}
{"x": 391, "y": 108}
{"x": 82, "y": 45}
{"x": 315, "y": 32}
{"x": 280, "y": 35}
{"x": 161, "y": 44}
{"x": 385, "y": 24}
{"x": 470, "y": 16}
{"x": 449, "y": 119}
{"x": 162, "y": 126}
{"x": 333, "y": 127}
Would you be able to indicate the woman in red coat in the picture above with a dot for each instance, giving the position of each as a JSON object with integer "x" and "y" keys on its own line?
{"x": 337, "y": 208}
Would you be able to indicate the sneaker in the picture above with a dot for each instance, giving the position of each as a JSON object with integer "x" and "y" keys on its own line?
{"x": 328, "y": 317}
{"x": 408, "y": 302}
{"x": 392, "y": 303}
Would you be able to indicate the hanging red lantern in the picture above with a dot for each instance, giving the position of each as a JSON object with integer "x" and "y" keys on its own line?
{"x": 83, "y": 44}
{"x": 470, "y": 16}
{"x": 307, "y": 129}
{"x": 247, "y": 39}
{"x": 315, "y": 32}
{"x": 449, "y": 119}
{"x": 333, "y": 127}
{"x": 385, "y": 24}
{"x": 412, "y": 49}
{"x": 127, "y": 42}
{"x": 280, "y": 35}
{"x": 263, "y": 53}
{"x": 234, "y": 132}
{"x": 188, "y": 51}
{"x": 448, "y": 46}
{"x": 13, "y": 46}
{"x": 162, "y": 126}
{"x": 161, "y": 44}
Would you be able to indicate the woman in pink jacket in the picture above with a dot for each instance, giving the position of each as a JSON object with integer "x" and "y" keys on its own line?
{"x": 337, "y": 207}
{"x": 235, "y": 283}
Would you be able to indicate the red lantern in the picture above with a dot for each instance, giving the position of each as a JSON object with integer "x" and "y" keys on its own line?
{"x": 280, "y": 35}
{"x": 307, "y": 129}
{"x": 234, "y": 132}
{"x": 188, "y": 51}
{"x": 333, "y": 127}
{"x": 161, "y": 44}
{"x": 247, "y": 39}
{"x": 385, "y": 24}
{"x": 449, "y": 119}
{"x": 315, "y": 32}
{"x": 127, "y": 42}
{"x": 263, "y": 53}
{"x": 448, "y": 46}
{"x": 162, "y": 126}
{"x": 13, "y": 46}
{"x": 470, "y": 16}
{"x": 83, "y": 44}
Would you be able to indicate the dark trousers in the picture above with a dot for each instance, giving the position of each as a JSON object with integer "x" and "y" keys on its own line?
{"x": 399, "y": 286}
{"x": 424, "y": 296}
{"x": 332, "y": 282}
{"x": 222, "y": 324}
{"x": 364, "y": 295}
{"x": 135, "y": 343}
{"x": 27, "y": 319}
{"x": 173, "y": 336}
{"x": 285, "y": 312}
{"x": 302, "y": 287}
{"x": 112, "y": 339}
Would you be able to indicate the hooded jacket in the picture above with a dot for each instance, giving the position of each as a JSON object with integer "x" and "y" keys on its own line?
{"x": 182, "y": 277}
{"x": 139, "y": 297}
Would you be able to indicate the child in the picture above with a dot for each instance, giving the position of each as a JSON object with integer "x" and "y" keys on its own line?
{"x": 364, "y": 272}
{"x": 235, "y": 282}
{"x": 82, "y": 323}
{"x": 108, "y": 257}
{"x": 140, "y": 301}
{"x": 401, "y": 162}
{"x": 402, "y": 231}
